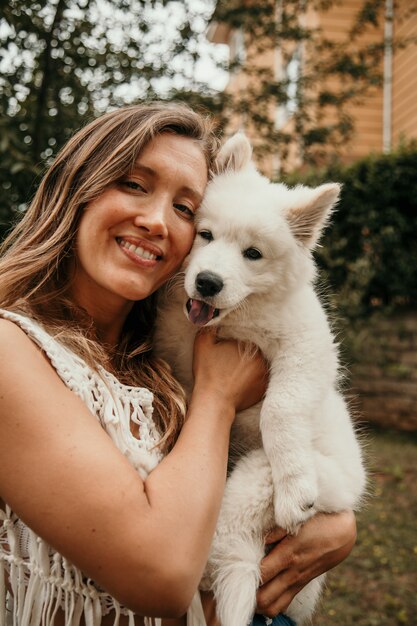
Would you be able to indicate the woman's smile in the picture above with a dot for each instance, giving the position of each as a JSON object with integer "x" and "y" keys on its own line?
{"x": 140, "y": 251}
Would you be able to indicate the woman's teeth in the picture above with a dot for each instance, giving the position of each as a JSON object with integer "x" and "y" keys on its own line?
{"x": 144, "y": 254}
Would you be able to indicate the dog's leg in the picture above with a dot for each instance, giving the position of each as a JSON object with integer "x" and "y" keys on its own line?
{"x": 287, "y": 434}
{"x": 238, "y": 544}
{"x": 338, "y": 457}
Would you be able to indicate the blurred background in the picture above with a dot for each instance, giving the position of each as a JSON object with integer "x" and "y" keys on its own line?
{"x": 326, "y": 90}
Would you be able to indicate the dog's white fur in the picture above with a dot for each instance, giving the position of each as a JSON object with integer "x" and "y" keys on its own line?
{"x": 296, "y": 453}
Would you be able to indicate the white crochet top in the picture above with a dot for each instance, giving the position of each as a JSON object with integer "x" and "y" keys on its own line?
{"x": 41, "y": 579}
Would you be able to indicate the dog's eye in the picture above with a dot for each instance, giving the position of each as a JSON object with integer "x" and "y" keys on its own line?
{"x": 252, "y": 253}
{"x": 206, "y": 234}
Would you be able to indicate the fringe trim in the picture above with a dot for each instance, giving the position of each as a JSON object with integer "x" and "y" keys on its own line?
{"x": 42, "y": 582}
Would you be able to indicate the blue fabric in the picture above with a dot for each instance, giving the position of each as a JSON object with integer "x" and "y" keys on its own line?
{"x": 278, "y": 620}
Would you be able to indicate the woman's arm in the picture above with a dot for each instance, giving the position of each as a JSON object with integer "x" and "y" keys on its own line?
{"x": 145, "y": 543}
{"x": 322, "y": 543}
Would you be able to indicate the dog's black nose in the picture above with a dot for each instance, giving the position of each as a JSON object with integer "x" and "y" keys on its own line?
{"x": 208, "y": 284}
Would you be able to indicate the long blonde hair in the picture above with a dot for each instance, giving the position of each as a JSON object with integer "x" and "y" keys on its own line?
{"x": 36, "y": 258}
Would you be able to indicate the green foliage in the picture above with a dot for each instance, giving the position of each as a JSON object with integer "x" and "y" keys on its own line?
{"x": 65, "y": 61}
{"x": 369, "y": 256}
{"x": 375, "y": 586}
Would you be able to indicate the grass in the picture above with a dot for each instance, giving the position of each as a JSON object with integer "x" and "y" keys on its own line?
{"x": 377, "y": 584}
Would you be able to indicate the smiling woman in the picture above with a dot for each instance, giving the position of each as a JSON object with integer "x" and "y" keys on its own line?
{"x": 102, "y": 461}
{"x": 112, "y": 220}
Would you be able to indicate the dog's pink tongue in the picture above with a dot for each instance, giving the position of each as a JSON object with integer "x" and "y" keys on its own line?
{"x": 199, "y": 312}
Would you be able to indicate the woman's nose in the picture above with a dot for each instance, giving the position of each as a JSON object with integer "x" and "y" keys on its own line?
{"x": 153, "y": 219}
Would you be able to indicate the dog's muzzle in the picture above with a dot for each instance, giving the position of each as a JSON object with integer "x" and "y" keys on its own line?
{"x": 208, "y": 284}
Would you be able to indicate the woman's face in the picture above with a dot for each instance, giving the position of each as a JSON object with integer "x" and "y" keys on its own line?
{"x": 134, "y": 236}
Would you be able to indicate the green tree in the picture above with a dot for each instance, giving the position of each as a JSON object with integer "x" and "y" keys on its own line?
{"x": 64, "y": 61}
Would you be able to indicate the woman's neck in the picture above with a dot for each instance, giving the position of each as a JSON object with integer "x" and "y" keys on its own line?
{"x": 108, "y": 315}
{"x": 109, "y": 324}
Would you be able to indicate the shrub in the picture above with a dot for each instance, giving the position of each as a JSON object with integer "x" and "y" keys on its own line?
{"x": 369, "y": 254}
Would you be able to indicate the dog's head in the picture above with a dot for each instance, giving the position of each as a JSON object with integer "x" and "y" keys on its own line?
{"x": 254, "y": 238}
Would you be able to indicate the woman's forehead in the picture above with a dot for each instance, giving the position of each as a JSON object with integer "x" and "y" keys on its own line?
{"x": 170, "y": 154}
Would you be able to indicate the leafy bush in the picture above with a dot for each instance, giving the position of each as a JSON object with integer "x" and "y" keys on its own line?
{"x": 369, "y": 253}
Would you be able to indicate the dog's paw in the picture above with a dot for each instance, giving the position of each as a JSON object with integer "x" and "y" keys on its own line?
{"x": 294, "y": 502}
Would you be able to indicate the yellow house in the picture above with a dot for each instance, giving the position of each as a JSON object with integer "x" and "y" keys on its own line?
{"x": 383, "y": 116}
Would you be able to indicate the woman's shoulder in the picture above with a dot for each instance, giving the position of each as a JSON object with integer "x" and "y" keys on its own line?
{"x": 18, "y": 353}
{"x": 22, "y": 343}
{"x": 19, "y": 324}
{"x": 24, "y": 339}
{"x": 13, "y": 336}
{"x": 15, "y": 324}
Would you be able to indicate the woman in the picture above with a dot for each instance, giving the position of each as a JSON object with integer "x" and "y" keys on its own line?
{"x": 80, "y": 430}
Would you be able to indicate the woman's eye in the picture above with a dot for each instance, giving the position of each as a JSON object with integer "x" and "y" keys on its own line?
{"x": 185, "y": 210}
{"x": 206, "y": 234}
{"x": 133, "y": 185}
{"x": 252, "y": 253}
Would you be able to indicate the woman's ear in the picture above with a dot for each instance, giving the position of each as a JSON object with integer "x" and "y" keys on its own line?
{"x": 234, "y": 155}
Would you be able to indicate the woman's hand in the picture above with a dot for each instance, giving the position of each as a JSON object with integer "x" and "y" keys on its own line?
{"x": 230, "y": 372}
{"x": 321, "y": 544}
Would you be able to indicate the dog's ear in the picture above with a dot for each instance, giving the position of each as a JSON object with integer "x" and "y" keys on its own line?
{"x": 309, "y": 217}
{"x": 234, "y": 155}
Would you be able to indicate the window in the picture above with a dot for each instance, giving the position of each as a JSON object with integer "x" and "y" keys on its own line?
{"x": 291, "y": 76}
{"x": 237, "y": 47}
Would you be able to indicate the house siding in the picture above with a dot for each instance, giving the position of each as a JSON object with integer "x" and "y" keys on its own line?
{"x": 404, "y": 84}
{"x": 367, "y": 110}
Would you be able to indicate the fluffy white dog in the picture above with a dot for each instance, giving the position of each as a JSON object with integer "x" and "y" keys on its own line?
{"x": 251, "y": 273}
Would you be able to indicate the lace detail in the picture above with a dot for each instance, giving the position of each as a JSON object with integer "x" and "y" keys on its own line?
{"x": 42, "y": 580}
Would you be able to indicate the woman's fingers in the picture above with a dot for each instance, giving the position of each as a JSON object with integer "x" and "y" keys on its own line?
{"x": 280, "y": 559}
{"x": 227, "y": 369}
{"x": 275, "y": 535}
{"x": 275, "y": 595}
{"x": 270, "y": 605}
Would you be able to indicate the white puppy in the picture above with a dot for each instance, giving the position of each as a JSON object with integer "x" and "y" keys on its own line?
{"x": 251, "y": 273}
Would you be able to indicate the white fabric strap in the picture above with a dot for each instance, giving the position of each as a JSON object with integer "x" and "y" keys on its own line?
{"x": 195, "y": 615}
{"x": 2, "y": 594}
